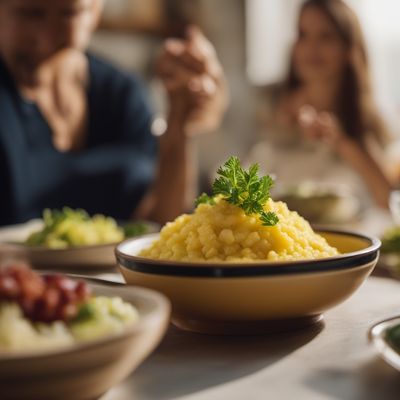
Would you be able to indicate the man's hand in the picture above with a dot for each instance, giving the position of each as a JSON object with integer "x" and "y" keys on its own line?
{"x": 194, "y": 80}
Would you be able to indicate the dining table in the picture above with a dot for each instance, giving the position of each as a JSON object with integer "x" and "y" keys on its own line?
{"x": 332, "y": 359}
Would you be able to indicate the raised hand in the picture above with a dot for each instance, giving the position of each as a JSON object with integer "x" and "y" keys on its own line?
{"x": 320, "y": 126}
{"x": 194, "y": 80}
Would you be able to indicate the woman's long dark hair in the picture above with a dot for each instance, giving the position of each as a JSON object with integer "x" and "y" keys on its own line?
{"x": 355, "y": 107}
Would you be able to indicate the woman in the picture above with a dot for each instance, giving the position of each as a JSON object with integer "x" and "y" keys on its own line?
{"x": 326, "y": 127}
{"x": 75, "y": 131}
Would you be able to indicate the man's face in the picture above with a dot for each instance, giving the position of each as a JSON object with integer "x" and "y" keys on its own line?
{"x": 31, "y": 31}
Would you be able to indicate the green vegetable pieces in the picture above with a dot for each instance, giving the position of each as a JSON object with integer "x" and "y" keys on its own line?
{"x": 391, "y": 240}
{"x": 204, "y": 198}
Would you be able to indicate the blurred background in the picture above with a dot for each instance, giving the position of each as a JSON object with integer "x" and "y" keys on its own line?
{"x": 253, "y": 40}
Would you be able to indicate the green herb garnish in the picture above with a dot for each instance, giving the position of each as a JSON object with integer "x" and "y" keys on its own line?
{"x": 269, "y": 218}
{"x": 204, "y": 198}
{"x": 243, "y": 188}
{"x": 86, "y": 312}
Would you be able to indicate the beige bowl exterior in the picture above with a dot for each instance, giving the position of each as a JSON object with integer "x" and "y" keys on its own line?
{"x": 253, "y": 299}
{"x": 87, "y": 371}
{"x": 201, "y": 302}
{"x": 13, "y": 237}
{"x": 87, "y": 257}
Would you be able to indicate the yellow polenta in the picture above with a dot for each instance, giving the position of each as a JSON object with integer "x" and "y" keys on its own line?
{"x": 223, "y": 232}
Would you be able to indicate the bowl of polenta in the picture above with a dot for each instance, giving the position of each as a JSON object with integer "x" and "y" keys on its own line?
{"x": 242, "y": 263}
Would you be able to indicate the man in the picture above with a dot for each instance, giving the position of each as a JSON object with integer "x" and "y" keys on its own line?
{"x": 75, "y": 131}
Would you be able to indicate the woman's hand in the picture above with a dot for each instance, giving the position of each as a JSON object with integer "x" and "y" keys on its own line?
{"x": 325, "y": 127}
{"x": 194, "y": 80}
{"x": 322, "y": 126}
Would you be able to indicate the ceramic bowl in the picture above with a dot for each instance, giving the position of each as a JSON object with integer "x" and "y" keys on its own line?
{"x": 86, "y": 371}
{"x": 96, "y": 257}
{"x": 380, "y": 336}
{"x": 253, "y": 297}
{"x": 322, "y": 203}
{"x": 87, "y": 257}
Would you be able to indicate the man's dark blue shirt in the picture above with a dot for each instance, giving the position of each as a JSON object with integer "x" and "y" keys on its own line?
{"x": 109, "y": 176}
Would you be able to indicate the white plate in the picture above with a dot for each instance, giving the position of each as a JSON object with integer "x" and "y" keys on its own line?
{"x": 87, "y": 257}
{"x": 377, "y": 335}
{"x": 87, "y": 370}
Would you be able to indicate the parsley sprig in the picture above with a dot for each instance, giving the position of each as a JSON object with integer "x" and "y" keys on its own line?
{"x": 243, "y": 188}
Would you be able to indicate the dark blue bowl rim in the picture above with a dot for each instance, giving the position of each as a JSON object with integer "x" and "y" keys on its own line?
{"x": 217, "y": 270}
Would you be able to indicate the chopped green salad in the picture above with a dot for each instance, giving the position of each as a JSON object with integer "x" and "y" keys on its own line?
{"x": 68, "y": 228}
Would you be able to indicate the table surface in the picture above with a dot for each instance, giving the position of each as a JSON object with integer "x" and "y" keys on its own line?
{"x": 330, "y": 361}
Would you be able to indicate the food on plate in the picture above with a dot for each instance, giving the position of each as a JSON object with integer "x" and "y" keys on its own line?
{"x": 391, "y": 240}
{"x": 51, "y": 311}
{"x": 68, "y": 228}
{"x": 321, "y": 203}
{"x": 390, "y": 249}
{"x": 393, "y": 337}
{"x": 239, "y": 223}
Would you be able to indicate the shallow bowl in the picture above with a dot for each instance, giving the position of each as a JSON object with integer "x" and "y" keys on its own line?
{"x": 380, "y": 336}
{"x": 234, "y": 298}
{"x": 86, "y": 371}
{"x": 100, "y": 256}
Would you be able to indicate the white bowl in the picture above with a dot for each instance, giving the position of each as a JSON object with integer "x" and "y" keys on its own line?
{"x": 99, "y": 256}
{"x": 378, "y": 337}
{"x": 88, "y": 370}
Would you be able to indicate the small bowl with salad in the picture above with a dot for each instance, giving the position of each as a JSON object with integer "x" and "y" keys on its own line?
{"x": 321, "y": 203}
{"x": 385, "y": 336}
{"x": 67, "y": 339}
{"x": 71, "y": 238}
{"x": 389, "y": 261}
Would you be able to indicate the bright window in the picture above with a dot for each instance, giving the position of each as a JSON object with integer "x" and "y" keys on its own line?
{"x": 271, "y": 26}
